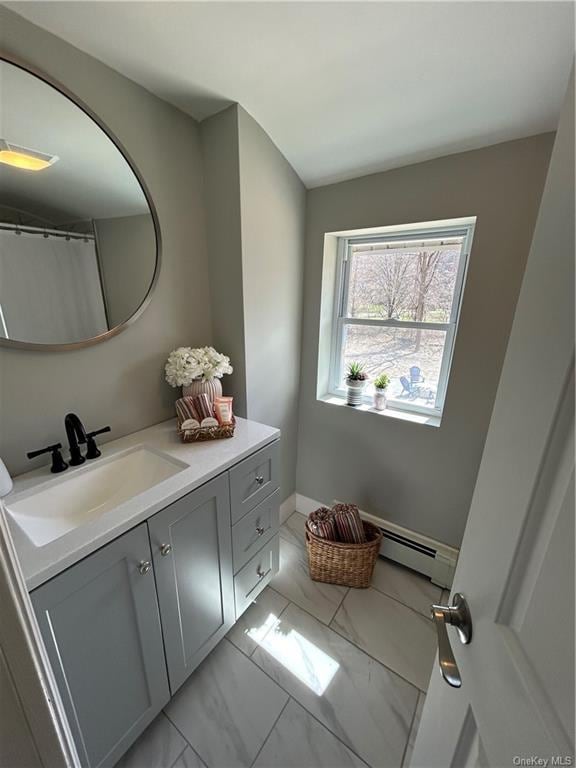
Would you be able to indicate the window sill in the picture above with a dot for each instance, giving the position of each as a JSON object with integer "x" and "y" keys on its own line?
{"x": 389, "y": 412}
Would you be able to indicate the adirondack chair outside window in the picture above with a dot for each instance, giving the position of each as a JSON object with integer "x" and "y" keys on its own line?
{"x": 396, "y": 309}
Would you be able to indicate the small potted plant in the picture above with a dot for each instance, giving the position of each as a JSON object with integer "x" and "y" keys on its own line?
{"x": 356, "y": 379}
{"x": 381, "y": 383}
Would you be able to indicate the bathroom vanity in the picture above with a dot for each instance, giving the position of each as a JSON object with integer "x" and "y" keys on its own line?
{"x": 133, "y": 588}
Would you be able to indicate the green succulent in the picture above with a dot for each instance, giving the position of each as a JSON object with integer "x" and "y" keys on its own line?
{"x": 356, "y": 372}
{"x": 382, "y": 381}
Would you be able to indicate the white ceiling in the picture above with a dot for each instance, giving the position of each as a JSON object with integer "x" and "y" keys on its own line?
{"x": 342, "y": 88}
{"x": 91, "y": 179}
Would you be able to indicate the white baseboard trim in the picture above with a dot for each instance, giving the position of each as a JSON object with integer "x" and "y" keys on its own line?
{"x": 287, "y": 508}
{"x": 305, "y": 505}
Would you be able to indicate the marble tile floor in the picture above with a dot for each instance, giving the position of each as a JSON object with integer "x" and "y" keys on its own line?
{"x": 312, "y": 676}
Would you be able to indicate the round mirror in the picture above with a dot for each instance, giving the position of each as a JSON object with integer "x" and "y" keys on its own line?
{"x": 78, "y": 235}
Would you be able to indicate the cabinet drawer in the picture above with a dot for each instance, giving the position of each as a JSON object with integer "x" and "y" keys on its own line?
{"x": 255, "y": 529}
{"x": 252, "y": 480}
{"x": 256, "y": 574}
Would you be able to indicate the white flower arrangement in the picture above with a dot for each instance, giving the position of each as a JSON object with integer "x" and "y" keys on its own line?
{"x": 186, "y": 365}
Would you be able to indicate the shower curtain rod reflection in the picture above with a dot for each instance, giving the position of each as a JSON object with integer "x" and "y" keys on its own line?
{"x": 19, "y": 229}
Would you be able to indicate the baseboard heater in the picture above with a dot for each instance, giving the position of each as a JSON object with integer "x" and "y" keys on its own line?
{"x": 414, "y": 550}
{"x": 422, "y": 554}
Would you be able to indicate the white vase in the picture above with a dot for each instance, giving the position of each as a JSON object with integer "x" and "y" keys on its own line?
{"x": 211, "y": 387}
{"x": 354, "y": 391}
{"x": 380, "y": 399}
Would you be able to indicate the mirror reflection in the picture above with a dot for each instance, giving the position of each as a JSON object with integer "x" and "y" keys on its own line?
{"x": 77, "y": 240}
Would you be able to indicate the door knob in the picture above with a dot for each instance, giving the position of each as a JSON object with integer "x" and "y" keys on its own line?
{"x": 165, "y": 549}
{"x": 260, "y": 480}
{"x": 144, "y": 566}
{"x": 458, "y": 615}
{"x": 259, "y": 530}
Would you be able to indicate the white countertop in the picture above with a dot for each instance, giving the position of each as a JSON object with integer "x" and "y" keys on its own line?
{"x": 205, "y": 460}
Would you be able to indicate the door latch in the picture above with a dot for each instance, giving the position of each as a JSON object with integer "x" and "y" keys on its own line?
{"x": 458, "y": 615}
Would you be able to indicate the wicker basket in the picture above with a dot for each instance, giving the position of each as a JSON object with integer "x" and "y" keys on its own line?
{"x": 350, "y": 565}
{"x": 207, "y": 433}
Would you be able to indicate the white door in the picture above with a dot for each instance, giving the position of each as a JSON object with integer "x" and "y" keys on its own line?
{"x": 516, "y": 567}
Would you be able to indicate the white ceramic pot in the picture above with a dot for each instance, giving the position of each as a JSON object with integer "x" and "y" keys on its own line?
{"x": 212, "y": 387}
{"x": 380, "y": 400}
{"x": 354, "y": 391}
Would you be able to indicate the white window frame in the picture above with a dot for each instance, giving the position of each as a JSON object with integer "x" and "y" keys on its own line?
{"x": 457, "y": 228}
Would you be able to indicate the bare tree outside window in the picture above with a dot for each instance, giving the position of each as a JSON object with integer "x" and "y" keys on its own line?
{"x": 400, "y": 301}
{"x": 381, "y": 285}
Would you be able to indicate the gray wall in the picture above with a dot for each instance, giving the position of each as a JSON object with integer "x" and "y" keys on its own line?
{"x": 273, "y": 209}
{"x": 127, "y": 256}
{"x": 119, "y": 382}
{"x": 256, "y": 213}
{"x": 420, "y": 476}
{"x": 222, "y": 194}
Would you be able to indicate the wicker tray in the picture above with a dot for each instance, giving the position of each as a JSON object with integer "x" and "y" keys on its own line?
{"x": 207, "y": 433}
{"x": 350, "y": 565}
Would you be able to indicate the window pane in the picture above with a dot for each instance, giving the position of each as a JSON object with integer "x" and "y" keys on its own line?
{"x": 403, "y": 283}
{"x": 411, "y": 357}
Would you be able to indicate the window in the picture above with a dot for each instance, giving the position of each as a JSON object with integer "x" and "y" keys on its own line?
{"x": 396, "y": 309}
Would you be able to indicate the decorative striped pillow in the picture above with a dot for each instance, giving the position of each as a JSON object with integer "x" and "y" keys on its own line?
{"x": 349, "y": 524}
{"x": 197, "y": 407}
{"x": 203, "y": 406}
{"x": 322, "y": 524}
{"x": 185, "y": 410}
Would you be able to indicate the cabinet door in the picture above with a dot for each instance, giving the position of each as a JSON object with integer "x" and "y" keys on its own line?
{"x": 101, "y": 627}
{"x": 191, "y": 547}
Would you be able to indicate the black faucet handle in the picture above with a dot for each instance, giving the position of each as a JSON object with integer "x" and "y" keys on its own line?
{"x": 93, "y": 451}
{"x": 40, "y": 451}
{"x": 58, "y": 463}
{"x": 98, "y": 432}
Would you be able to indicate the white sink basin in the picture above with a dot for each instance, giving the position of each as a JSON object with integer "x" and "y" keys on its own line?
{"x": 61, "y": 505}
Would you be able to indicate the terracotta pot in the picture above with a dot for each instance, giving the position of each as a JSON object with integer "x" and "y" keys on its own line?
{"x": 212, "y": 388}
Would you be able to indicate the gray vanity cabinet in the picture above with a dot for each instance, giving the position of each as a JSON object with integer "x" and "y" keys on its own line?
{"x": 192, "y": 551}
{"x": 101, "y": 627}
{"x": 127, "y": 625}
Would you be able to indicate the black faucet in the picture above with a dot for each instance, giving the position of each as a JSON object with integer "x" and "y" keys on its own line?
{"x": 75, "y": 433}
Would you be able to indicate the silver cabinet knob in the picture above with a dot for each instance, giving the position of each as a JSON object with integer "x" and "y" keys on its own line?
{"x": 259, "y": 530}
{"x": 260, "y": 573}
{"x": 458, "y": 615}
{"x": 144, "y": 566}
{"x": 260, "y": 480}
{"x": 165, "y": 549}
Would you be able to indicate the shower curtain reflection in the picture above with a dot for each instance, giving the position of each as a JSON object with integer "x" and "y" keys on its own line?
{"x": 50, "y": 288}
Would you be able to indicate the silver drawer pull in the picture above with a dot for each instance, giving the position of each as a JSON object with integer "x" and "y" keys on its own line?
{"x": 260, "y": 573}
{"x": 165, "y": 549}
{"x": 259, "y": 531}
{"x": 259, "y": 479}
{"x": 144, "y": 566}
